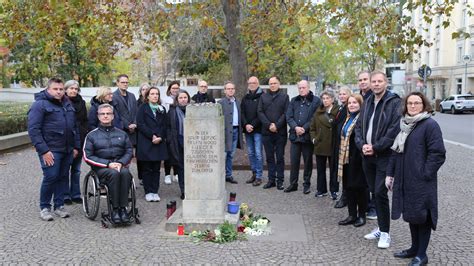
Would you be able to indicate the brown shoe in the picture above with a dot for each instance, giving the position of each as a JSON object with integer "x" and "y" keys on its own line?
{"x": 251, "y": 180}
{"x": 257, "y": 182}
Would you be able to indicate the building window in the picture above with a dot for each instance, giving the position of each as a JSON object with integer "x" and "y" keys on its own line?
{"x": 463, "y": 18}
{"x": 437, "y": 57}
{"x": 443, "y": 89}
{"x": 458, "y": 86}
{"x": 472, "y": 50}
{"x": 460, "y": 54}
{"x": 427, "y": 59}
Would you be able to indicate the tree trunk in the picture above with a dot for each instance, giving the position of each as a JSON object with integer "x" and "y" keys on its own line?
{"x": 238, "y": 58}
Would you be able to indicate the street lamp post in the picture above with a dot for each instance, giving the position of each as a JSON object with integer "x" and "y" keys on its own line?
{"x": 466, "y": 59}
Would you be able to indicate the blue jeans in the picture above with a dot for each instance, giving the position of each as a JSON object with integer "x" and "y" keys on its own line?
{"x": 74, "y": 191}
{"x": 230, "y": 154}
{"x": 254, "y": 150}
{"x": 55, "y": 180}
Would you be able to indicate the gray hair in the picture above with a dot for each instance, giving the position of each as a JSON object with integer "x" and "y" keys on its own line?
{"x": 105, "y": 105}
{"x": 70, "y": 83}
{"x": 328, "y": 93}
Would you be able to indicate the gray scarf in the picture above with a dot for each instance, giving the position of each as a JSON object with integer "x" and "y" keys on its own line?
{"x": 407, "y": 124}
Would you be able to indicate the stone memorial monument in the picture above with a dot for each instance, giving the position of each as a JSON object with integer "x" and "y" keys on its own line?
{"x": 205, "y": 205}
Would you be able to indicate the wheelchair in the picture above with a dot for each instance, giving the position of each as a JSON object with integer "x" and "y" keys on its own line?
{"x": 94, "y": 190}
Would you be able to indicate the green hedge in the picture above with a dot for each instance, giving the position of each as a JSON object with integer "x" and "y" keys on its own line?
{"x": 13, "y": 117}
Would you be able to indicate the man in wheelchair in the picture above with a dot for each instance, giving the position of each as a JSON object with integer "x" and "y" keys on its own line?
{"x": 108, "y": 151}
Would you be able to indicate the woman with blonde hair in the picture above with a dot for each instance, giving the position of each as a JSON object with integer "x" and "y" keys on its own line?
{"x": 104, "y": 95}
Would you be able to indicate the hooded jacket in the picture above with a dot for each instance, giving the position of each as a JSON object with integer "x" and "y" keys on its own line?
{"x": 93, "y": 120}
{"x": 386, "y": 124}
{"x": 52, "y": 124}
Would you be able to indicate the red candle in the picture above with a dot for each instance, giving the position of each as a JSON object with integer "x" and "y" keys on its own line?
{"x": 180, "y": 229}
{"x": 232, "y": 196}
{"x": 169, "y": 210}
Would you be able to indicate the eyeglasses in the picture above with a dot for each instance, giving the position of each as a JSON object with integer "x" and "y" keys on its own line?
{"x": 203, "y": 86}
{"x": 124, "y": 82}
{"x": 102, "y": 114}
{"x": 414, "y": 103}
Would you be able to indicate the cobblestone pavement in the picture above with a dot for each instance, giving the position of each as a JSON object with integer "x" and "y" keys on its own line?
{"x": 24, "y": 238}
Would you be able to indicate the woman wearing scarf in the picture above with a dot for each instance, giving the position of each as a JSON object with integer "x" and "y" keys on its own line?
{"x": 73, "y": 193}
{"x": 350, "y": 166}
{"x": 177, "y": 112}
{"x": 151, "y": 142}
{"x": 418, "y": 153}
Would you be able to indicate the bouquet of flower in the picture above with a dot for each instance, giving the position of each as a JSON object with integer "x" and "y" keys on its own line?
{"x": 251, "y": 224}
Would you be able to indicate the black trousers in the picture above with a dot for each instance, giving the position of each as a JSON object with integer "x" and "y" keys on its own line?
{"x": 275, "y": 147}
{"x": 168, "y": 168}
{"x": 321, "y": 165}
{"x": 375, "y": 169}
{"x": 420, "y": 238}
{"x": 296, "y": 150}
{"x": 118, "y": 184}
{"x": 150, "y": 172}
{"x": 356, "y": 201}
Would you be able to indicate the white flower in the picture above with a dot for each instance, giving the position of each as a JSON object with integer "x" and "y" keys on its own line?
{"x": 217, "y": 232}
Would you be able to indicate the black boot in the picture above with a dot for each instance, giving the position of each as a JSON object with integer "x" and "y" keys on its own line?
{"x": 115, "y": 216}
{"x": 124, "y": 216}
{"x": 342, "y": 202}
{"x": 251, "y": 179}
{"x": 348, "y": 220}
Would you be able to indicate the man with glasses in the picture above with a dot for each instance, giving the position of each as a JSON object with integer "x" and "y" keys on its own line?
{"x": 126, "y": 105}
{"x": 375, "y": 131}
{"x": 202, "y": 96}
{"x": 108, "y": 151}
{"x": 54, "y": 133}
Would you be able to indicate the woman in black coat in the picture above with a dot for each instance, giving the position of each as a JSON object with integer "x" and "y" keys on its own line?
{"x": 73, "y": 194}
{"x": 104, "y": 95}
{"x": 176, "y": 135}
{"x": 151, "y": 144}
{"x": 418, "y": 153}
{"x": 350, "y": 166}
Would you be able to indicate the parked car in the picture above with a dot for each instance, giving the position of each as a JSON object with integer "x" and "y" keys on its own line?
{"x": 457, "y": 103}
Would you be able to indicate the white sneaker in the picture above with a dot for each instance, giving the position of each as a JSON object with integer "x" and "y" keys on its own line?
{"x": 373, "y": 235}
{"x": 45, "y": 215}
{"x": 168, "y": 179}
{"x": 62, "y": 212}
{"x": 384, "y": 241}
{"x": 156, "y": 197}
{"x": 175, "y": 178}
{"x": 149, "y": 197}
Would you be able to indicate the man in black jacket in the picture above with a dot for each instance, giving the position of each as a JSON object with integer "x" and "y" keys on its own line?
{"x": 126, "y": 105}
{"x": 108, "y": 151}
{"x": 299, "y": 115}
{"x": 271, "y": 111}
{"x": 202, "y": 96}
{"x": 252, "y": 128}
{"x": 376, "y": 129}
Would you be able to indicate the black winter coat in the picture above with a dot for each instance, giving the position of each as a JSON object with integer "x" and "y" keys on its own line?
{"x": 81, "y": 116}
{"x": 203, "y": 98}
{"x": 127, "y": 111}
{"x": 105, "y": 145}
{"x": 415, "y": 189}
{"x": 272, "y": 109}
{"x": 52, "y": 124}
{"x": 148, "y": 125}
{"x": 93, "y": 120}
{"x": 249, "y": 107}
{"x": 353, "y": 173}
{"x": 339, "y": 120}
{"x": 386, "y": 124}
{"x": 175, "y": 149}
{"x": 299, "y": 114}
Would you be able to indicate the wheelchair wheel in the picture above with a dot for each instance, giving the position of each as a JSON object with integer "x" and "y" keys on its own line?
{"x": 132, "y": 207}
{"x": 91, "y": 196}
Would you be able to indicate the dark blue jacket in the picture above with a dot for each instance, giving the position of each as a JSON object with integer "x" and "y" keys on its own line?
{"x": 93, "y": 120}
{"x": 52, "y": 124}
{"x": 415, "y": 189}
{"x": 299, "y": 114}
{"x": 272, "y": 109}
{"x": 148, "y": 125}
{"x": 107, "y": 144}
{"x": 386, "y": 124}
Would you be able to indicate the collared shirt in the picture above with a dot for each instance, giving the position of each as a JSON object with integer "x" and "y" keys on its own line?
{"x": 235, "y": 113}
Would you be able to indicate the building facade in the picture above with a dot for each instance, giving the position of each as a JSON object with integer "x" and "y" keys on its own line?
{"x": 451, "y": 60}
